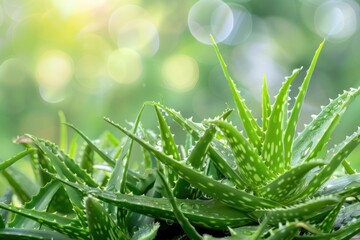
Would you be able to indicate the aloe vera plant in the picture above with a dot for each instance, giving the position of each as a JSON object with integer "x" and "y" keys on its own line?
{"x": 263, "y": 183}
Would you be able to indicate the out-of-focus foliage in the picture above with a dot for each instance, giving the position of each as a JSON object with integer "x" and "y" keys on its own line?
{"x": 94, "y": 58}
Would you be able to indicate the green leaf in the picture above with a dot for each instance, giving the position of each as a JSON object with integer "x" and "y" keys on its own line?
{"x": 327, "y": 225}
{"x": 187, "y": 124}
{"x": 16, "y": 179}
{"x": 101, "y": 224}
{"x": 168, "y": 145}
{"x": 39, "y": 202}
{"x": 117, "y": 181}
{"x": 78, "y": 171}
{"x": 87, "y": 159}
{"x": 345, "y": 232}
{"x": 284, "y": 232}
{"x": 295, "y": 112}
{"x": 103, "y": 155}
{"x": 252, "y": 129}
{"x": 306, "y": 211}
{"x": 64, "y": 225}
{"x": 180, "y": 217}
{"x": 205, "y": 213}
{"x": 266, "y": 107}
{"x": 6, "y": 198}
{"x": 288, "y": 183}
{"x": 55, "y": 156}
{"x": 273, "y": 149}
{"x": 249, "y": 163}
{"x": 147, "y": 232}
{"x": 229, "y": 195}
{"x": 290, "y": 229}
{"x": 348, "y": 168}
{"x": 182, "y": 188}
{"x": 313, "y": 134}
{"x": 334, "y": 159}
{"x": 218, "y": 154}
{"x": 73, "y": 146}
{"x": 7, "y": 163}
{"x": 63, "y": 132}
{"x": 340, "y": 186}
{"x": 30, "y": 234}
{"x": 167, "y": 138}
{"x": 347, "y": 215}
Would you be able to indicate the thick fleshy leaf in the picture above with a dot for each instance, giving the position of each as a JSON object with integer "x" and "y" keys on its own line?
{"x": 251, "y": 127}
{"x": 7, "y": 163}
{"x": 180, "y": 217}
{"x": 147, "y": 232}
{"x": 55, "y": 156}
{"x": 305, "y": 211}
{"x": 78, "y": 171}
{"x": 284, "y": 232}
{"x": 341, "y": 186}
{"x": 167, "y": 138}
{"x": 168, "y": 145}
{"x": 183, "y": 188}
{"x": 117, "y": 181}
{"x": 227, "y": 194}
{"x": 64, "y": 225}
{"x": 345, "y": 232}
{"x": 63, "y": 139}
{"x": 30, "y": 234}
{"x": 204, "y": 213}
{"x": 327, "y": 225}
{"x": 348, "y": 214}
{"x": 273, "y": 148}
{"x": 102, "y": 154}
{"x": 16, "y": 180}
{"x": 87, "y": 159}
{"x": 313, "y": 134}
{"x": 295, "y": 112}
{"x": 187, "y": 124}
{"x": 101, "y": 225}
{"x": 249, "y": 163}
{"x": 6, "y": 198}
{"x": 288, "y": 182}
{"x": 39, "y": 202}
{"x": 266, "y": 107}
{"x": 219, "y": 155}
{"x": 334, "y": 159}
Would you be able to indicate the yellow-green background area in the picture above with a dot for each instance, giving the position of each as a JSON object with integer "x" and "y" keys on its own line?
{"x": 95, "y": 58}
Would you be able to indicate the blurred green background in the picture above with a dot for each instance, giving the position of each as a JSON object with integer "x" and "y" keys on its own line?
{"x": 95, "y": 58}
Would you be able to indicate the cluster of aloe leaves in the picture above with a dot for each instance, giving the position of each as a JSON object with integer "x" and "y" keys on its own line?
{"x": 265, "y": 183}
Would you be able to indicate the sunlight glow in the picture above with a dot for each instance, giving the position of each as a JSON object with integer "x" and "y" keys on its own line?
{"x": 54, "y": 70}
{"x": 124, "y": 66}
{"x": 180, "y": 72}
{"x": 70, "y": 7}
{"x": 131, "y": 27}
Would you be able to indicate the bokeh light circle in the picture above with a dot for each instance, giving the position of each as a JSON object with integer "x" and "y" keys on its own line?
{"x": 15, "y": 9}
{"x": 131, "y": 27}
{"x": 54, "y": 70}
{"x": 124, "y": 65}
{"x": 210, "y": 17}
{"x": 13, "y": 72}
{"x": 180, "y": 72}
{"x": 243, "y": 25}
{"x": 335, "y": 20}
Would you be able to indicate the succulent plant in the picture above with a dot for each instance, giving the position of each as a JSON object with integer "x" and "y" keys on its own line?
{"x": 263, "y": 183}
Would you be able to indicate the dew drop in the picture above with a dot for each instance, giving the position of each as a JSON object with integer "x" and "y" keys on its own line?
{"x": 306, "y": 151}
